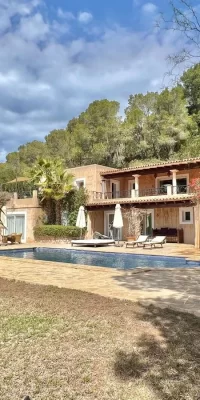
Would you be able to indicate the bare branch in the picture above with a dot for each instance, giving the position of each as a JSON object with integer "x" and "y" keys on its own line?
{"x": 186, "y": 20}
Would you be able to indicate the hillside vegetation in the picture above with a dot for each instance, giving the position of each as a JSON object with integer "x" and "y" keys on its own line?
{"x": 155, "y": 126}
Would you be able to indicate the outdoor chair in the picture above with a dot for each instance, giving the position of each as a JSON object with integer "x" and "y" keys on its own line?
{"x": 140, "y": 241}
{"x": 14, "y": 238}
{"x": 158, "y": 240}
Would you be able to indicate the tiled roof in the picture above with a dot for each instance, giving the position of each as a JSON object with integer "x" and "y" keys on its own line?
{"x": 156, "y": 165}
{"x": 150, "y": 199}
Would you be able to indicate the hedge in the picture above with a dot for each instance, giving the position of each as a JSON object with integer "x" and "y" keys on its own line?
{"x": 56, "y": 232}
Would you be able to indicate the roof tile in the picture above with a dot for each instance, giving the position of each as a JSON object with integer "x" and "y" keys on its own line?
{"x": 146, "y": 166}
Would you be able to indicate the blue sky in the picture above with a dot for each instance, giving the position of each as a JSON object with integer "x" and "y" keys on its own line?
{"x": 57, "y": 56}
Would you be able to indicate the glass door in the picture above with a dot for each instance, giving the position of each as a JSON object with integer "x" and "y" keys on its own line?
{"x": 16, "y": 224}
{"x": 109, "y": 230}
{"x": 20, "y": 225}
{"x": 115, "y": 189}
{"x": 10, "y": 225}
{"x": 148, "y": 223}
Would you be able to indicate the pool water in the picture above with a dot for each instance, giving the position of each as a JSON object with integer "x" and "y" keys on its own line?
{"x": 100, "y": 259}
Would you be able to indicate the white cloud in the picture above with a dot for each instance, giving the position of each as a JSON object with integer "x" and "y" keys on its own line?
{"x": 149, "y": 8}
{"x": 34, "y": 28}
{"x": 65, "y": 14}
{"x": 42, "y": 87}
{"x": 9, "y": 9}
{"x": 85, "y": 17}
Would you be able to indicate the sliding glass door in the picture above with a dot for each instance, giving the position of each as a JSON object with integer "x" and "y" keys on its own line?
{"x": 16, "y": 224}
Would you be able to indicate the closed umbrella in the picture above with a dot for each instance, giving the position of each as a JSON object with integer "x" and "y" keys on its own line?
{"x": 118, "y": 220}
{"x": 81, "y": 222}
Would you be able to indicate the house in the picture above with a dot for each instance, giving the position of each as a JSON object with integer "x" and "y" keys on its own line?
{"x": 23, "y": 213}
{"x": 162, "y": 190}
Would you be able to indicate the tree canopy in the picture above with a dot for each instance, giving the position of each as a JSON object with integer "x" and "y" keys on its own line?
{"x": 155, "y": 126}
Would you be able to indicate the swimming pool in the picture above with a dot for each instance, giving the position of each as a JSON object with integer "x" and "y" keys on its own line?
{"x": 100, "y": 259}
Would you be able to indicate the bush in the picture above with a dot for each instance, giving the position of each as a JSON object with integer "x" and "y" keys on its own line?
{"x": 73, "y": 201}
{"x": 56, "y": 232}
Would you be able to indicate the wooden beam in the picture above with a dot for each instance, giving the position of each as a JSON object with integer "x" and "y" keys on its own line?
{"x": 175, "y": 204}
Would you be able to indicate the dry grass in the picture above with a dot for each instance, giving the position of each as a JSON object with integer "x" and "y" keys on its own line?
{"x": 63, "y": 344}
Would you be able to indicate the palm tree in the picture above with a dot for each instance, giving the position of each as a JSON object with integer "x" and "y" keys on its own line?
{"x": 54, "y": 183}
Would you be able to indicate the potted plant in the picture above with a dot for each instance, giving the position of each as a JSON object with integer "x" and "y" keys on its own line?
{"x": 134, "y": 217}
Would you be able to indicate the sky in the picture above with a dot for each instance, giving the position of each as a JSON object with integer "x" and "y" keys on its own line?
{"x": 57, "y": 56}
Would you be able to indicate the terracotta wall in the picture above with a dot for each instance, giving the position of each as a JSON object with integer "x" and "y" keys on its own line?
{"x": 163, "y": 217}
{"x": 91, "y": 174}
{"x": 95, "y": 222}
{"x": 169, "y": 217}
{"x": 149, "y": 181}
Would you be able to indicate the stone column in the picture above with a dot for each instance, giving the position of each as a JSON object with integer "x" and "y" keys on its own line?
{"x": 137, "y": 186}
{"x": 103, "y": 182}
{"x": 169, "y": 190}
{"x": 174, "y": 181}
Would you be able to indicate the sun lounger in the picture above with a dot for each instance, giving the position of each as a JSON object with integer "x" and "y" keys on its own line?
{"x": 92, "y": 242}
{"x": 158, "y": 240}
{"x": 141, "y": 240}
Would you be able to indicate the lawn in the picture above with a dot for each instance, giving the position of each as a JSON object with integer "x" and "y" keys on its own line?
{"x": 64, "y": 344}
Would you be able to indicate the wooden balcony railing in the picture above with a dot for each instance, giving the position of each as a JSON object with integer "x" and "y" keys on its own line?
{"x": 162, "y": 191}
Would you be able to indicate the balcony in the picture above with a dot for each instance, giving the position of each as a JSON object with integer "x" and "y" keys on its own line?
{"x": 134, "y": 194}
{"x": 23, "y": 190}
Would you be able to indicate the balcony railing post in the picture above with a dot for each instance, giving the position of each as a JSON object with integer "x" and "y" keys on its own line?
{"x": 169, "y": 190}
{"x": 136, "y": 185}
{"x": 174, "y": 180}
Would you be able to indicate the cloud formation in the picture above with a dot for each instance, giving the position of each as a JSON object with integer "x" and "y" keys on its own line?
{"x": 48, "y": 75}
{"x": 85, "y": 17}
{"x": 149, "y": 8}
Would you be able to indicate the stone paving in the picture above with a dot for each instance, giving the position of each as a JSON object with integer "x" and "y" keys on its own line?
{"x": 178, "y": 288}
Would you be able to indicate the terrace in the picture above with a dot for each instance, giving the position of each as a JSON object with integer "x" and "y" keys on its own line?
{"x": 20, "y": 188}
{"x": 125, "y": 194}
{"x": 167, "y": 181}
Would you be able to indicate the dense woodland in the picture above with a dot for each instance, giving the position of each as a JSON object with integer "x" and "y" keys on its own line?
{"x": 155, "y": 126}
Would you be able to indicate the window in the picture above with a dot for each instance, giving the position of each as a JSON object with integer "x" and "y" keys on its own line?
{"x": 181, "y": 184}
{"x": 164, "y": 184}
{"x": 186, "y": 215}
{"x": 80, "y": 183}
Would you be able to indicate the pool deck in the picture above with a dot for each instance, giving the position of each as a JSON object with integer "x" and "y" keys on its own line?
{"x": 178, "y": 288}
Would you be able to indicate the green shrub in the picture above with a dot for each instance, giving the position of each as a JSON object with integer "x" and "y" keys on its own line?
{"x": 56, "y": 232}
{"x": 72, "y": 202}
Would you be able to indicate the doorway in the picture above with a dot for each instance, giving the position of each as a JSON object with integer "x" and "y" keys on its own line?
{"x": 108, "y": 226}
{"x": 115, "y": 189}
{"x": 148, "y": 222}
{"x": 16, "y": 224}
